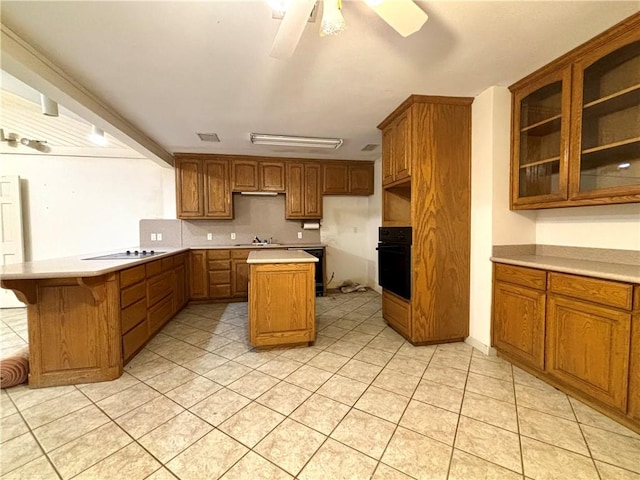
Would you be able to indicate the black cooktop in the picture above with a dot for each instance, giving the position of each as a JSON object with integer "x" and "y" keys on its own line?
{"x": 128, "y": 255}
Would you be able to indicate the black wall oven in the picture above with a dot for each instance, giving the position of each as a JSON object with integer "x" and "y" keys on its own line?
{"x": 394, "y": 260}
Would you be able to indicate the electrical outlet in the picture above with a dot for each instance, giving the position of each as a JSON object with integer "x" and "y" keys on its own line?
{"x": 209, "y": 236}
{"x": 159, "y": 236}
{"x": 233, "y": 236}
{"x": 299, "y": 234}
{"x": 153, "y": 237}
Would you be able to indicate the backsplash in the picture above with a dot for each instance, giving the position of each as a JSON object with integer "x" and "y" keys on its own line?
{"x": 253, "y": 216}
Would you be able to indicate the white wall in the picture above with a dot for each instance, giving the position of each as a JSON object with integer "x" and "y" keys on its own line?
{"x": 606, "y": 226}
{"x": 78, "y": 205}
{"x": 492, "y": 223}
{"x": 345, "y": 230}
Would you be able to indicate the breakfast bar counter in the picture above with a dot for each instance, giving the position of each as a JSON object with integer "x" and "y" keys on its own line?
{"x": 281, "y": 298}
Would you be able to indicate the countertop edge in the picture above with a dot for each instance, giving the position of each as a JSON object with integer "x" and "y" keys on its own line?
{"x": 587, "y": 268}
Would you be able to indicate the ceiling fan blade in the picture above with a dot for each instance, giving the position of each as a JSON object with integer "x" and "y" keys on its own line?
{"x": 291, "y": 28}
{"x": 403, "y": 15}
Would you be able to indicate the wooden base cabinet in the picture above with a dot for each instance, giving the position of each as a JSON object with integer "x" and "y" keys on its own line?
{"x": 588, "y": 348}
{"x": 282, "y": 304}
{"x": 581, "y": 334}
{"x": 85, "y": 329}
{"x": 519, "y": 313}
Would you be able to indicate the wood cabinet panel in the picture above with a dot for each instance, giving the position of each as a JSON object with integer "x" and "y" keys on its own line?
{"x": 180, "y": 286}
{"x": 244, "y": 176}
{"x": 159, "y": 314}
{"x": 133, "y": 315}
{"x": 159, "y": 287}
{"x": 133, "y": 340}
{"x": 217, "y": 190}
{"x": 218, "y": 254}
{"x": 526, "y": 277}
{"x": 387, "y": 156}
{"x": 519, "y": 322}
{"x": 397, "y": 312}
{"x": 239, "y": 273}
{"x": 304, "y": 192}
{"x": 219, "y": 277}
{"x": 219, "y": 265}
{"x": 402, "y": 147}
{"x": 189, "y": 188}
{"x": 336, "y": 179}
{"x": 361, "y": 179}
{"x": 198, "y": 274}
{"x": 281, "y": 304}
{"x": 634, "y": 366}
{"x": 604, "y": 292}
{"x": 588, "y": 348}
{"x": 132, "y": 294}
{"x": 272, "y": 176}
{"x": 131, "y": 276}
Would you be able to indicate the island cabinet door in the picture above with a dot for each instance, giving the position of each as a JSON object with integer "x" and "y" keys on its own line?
{"x": 588, "y": 348}
{"x": 281, "y": 304}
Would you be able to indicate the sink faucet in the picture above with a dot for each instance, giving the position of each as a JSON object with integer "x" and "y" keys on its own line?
{"x": 256, "y": 240}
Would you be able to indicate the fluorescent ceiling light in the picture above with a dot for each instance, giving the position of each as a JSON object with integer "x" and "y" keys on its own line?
{"x": 292, "y": 141}
{"x": 97, "y": 136}
{"x": 403, "y": 15}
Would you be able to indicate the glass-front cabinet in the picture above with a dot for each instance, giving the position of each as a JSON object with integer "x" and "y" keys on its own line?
{"x": 606, "y": 147}
{"x": 540, "y": 147}
{"x": 576, "y": 125}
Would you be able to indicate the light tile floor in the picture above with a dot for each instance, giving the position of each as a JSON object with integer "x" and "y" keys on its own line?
{"x": 199, "y": 403}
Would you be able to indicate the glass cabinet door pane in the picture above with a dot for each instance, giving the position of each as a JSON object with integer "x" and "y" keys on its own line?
{"x": 610, "y": 147}
{"x": 539, "y": 154}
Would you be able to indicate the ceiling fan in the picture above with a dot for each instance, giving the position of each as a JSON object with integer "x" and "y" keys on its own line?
{"x": 403, "y": 15}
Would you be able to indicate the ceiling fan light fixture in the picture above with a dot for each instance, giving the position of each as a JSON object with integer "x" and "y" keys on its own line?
{"x": 404, "y": 16}
{"x": 332, "y": 20}
{"x": 295, "y": 141}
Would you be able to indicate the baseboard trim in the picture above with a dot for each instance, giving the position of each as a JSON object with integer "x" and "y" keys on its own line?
{"x": 478, "y": 345}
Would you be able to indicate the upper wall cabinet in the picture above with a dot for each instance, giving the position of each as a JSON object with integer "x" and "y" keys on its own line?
{"x": 304, "y": 191}
{"x": 202, "y": 187}
{"x": 248, "y": 175}
{"x": 396, "y": 149}
{"x": 347, "y": 178}
{"x": 576, "y": 125}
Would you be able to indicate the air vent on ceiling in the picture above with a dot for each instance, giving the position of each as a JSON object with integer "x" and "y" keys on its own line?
{"x": 370, "y": 147}
{"x": 208, "y": 137}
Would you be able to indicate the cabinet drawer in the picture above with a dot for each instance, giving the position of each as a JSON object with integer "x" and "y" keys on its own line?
{"x": 179, "y": 259}
{"x": 160, "y": 314}
{"x": 131, "y": 276}
{"x": 133, "y": 315}
{"x": 132, "y": 341}
{"x": 158, "y": 287}
{"x": 132, "y": 294}
{"x": 217, "y": 254}
{"x": 219, "y": 278}
{"x": 243, "y": 254}
{"x": 220, "y": 291}
{"x": 153, "y": 268}
{"x": 605, "y": 292}
{"x": 397, "y": 312}
{"x": 219, "y": 264}
{"x": 166, "y": 263}
{"x": 526, "y": 277}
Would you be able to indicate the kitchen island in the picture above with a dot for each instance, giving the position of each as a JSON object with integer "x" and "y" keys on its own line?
{"x": 281, "y": 298}
{"x": 88, "y": 317}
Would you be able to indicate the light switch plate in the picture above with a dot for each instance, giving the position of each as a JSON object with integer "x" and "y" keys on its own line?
{"x": 299, "y": 234}
{"x": 159, "y": 236}
{"x": 233, "y": 236}
{"x": 209, "y": 236}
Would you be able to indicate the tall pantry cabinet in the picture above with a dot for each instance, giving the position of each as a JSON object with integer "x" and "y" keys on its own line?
{"x": 426, "y": 164}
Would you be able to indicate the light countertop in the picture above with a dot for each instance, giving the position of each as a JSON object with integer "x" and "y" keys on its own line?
{"x": 588, "y": 268}
{"x": 76, "y": 266}
{"x": 280, "y": 256}
{"x": 274, "y": 246}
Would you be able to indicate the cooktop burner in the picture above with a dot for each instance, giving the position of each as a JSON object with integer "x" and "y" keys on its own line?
{"x": 128, "y": 255}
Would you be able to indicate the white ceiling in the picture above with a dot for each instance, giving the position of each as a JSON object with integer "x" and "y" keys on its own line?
{"x": 177, "y": 68}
